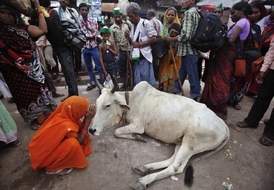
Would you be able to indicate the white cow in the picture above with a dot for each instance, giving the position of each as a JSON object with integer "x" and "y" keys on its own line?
{"x": 170, "y": 118}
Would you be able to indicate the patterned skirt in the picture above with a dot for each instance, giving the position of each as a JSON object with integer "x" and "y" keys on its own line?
{"x": 32, "y": 98}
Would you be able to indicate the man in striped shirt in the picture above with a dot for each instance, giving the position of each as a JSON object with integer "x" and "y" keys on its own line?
{"x": 189, "y": 54}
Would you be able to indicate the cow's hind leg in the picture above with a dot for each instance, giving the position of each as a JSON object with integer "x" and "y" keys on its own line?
{"x": 182, "y": 156}
{"x": 146, "y": 169}
{"x": 130, "y": 131}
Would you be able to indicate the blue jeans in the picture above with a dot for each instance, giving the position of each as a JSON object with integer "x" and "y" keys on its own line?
{"x": 189, "y": 67}
{"x": 65, "y": 59}
{"x": 94, "y": 54}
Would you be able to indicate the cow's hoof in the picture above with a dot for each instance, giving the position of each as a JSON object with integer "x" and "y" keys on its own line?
{"x": 139, "y": 138}
{"x": 142, "y": 170}
{"x": 138, "y": 186}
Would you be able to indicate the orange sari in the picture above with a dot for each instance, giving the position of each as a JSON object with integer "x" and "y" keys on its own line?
{"x": 54, "y": 146}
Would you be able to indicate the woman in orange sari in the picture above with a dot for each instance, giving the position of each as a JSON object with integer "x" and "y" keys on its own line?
{"x": 167, "y": 71}
{"x": 62, "y": 141}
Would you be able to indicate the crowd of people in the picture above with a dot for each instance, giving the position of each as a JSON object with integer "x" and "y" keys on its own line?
{"x": 28, "y": 65}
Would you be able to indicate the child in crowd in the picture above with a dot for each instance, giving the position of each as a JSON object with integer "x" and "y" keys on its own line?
{"x": 107, "y": 52}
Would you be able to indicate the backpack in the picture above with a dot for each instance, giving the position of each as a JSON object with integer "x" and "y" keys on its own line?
{"x": 74, "y": 37}
{"x": 210, "y": 33}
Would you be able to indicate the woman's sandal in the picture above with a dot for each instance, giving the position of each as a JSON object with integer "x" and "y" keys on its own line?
{"x": 266, "y": 141}
{"x": 61, "y": 172}
{"x": 34, "y": 125}
{"x": 243, "y": 124}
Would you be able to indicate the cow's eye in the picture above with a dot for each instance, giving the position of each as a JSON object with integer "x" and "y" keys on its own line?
{"x": 107, "y": 106}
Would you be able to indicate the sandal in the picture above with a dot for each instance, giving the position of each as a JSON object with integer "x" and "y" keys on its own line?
{"x": 266, "y": 141}
{"x": 34, "y": 125}
{"x": 237, "y": 106}
{"x": 60, "y": 172}
{"x": 243, "y": 124}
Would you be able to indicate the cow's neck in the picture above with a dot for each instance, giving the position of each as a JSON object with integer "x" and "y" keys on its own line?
{"x": 124, "y": 114}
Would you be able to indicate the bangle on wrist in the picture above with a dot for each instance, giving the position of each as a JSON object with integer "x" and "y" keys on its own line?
{"x": 84, "y": 131}
{"x": 87, "y": 120}
{"x": 39, "y": 12}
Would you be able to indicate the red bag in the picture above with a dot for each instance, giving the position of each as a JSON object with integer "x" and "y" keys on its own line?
{"x": 240, "y": 68}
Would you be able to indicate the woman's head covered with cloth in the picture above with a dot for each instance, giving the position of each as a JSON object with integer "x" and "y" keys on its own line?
{"x": 63, "y": 123}
{"x": 12, "y": 10}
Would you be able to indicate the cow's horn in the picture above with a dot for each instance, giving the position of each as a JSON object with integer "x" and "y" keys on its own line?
{"x": 115, "y": 83}
{"x": 98, "y": 84}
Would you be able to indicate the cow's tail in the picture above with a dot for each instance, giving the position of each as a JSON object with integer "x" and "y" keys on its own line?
{"x": 190, "y": 170}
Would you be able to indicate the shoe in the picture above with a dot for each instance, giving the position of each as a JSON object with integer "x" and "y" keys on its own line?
{"x": 237, "y": 106}
{"x": 265, "y": 121}
{"x": 266, "y": 141}
{"x": 89, "y": 88}
{"x": 58, "y": 78}
{"x": 243, "y": 124}
{"x": 56, "y": 95}
{"x": 11, "y": 100}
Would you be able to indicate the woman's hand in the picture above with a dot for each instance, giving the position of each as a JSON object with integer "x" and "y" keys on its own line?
{"x": 173, "y": 33}
{"x": 36, "y": 4}
{"x": 91, "y": 111}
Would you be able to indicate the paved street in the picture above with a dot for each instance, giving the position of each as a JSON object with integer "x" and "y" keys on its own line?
{"x": 243, "y": 162}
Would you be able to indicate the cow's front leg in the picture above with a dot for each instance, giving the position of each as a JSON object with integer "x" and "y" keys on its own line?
{"x": 130, "y": 131}
{"x": 182, "y": 156}
{"x": 149, "y": 168}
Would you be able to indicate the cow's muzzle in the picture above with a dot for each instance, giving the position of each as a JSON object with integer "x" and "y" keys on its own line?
{"x": 92, "y": 131}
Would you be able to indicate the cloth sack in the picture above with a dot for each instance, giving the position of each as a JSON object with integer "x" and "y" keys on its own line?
{"x": 23, "y": 6}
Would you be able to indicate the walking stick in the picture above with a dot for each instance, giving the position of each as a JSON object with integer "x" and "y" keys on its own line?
{"x": 130, "y": 70}
{"x": 176, "y": 69}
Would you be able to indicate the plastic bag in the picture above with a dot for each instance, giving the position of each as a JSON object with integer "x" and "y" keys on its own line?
{"x": 108, "y": 83}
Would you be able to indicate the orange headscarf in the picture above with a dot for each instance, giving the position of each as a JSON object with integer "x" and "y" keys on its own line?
{"x": 65, "y": 119}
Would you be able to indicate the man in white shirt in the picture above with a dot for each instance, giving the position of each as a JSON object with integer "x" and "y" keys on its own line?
{"x": 141, "y": 36}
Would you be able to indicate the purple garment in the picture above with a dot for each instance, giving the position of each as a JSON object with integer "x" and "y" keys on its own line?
{"x": 245, "y": 25}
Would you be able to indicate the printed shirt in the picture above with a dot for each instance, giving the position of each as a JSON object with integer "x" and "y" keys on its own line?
{"x": 118, "y": 35}
{"x": 90, "y": 23}
{"x": 189, "y": 27}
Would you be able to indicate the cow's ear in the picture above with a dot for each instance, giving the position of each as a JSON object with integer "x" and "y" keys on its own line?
{"x": 124, "y": 106}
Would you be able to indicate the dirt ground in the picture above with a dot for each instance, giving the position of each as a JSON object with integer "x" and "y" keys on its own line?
{"x": 243, "y": 162}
